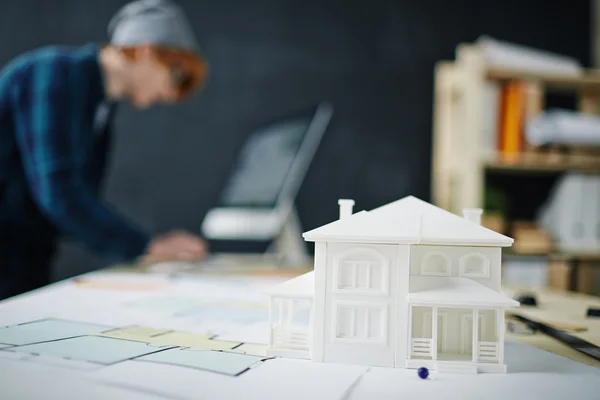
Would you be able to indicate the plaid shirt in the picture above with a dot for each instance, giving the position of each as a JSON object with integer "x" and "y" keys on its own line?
{"x": 52, "y": 156}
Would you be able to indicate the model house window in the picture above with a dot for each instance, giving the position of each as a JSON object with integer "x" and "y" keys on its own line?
{"x": 435, "y": 264}
{"x": 360, "y": 322}
{"x": 474, "y": 265}
{"x": 361, "y": 271}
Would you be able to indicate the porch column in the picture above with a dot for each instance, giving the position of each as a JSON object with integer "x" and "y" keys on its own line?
{"x": 409, "y": 351}
{"x": 290, "y": 313}
{"x": 500, "y": 327}
{"x": 271, "y": 320}
{"x": 434, "y": 333}
{"x": 475, "y": 335}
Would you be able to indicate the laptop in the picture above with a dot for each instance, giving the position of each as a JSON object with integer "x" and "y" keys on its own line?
{"x": 256, "y": 206}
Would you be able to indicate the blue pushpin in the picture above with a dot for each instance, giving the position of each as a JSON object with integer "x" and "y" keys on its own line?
{"x": 423, "y": 373}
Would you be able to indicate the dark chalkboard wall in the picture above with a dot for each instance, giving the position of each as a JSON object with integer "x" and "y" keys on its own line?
{"x": 372, "y": 59}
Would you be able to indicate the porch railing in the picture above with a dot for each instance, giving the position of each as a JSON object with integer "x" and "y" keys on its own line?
{"x": 421, "y": 347}
{"x": 288, "y": 339}
{"x": 488, "y": 351}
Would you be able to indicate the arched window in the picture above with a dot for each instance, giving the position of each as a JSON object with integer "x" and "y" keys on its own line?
{"x": 435, "y": 264}
{"x": 474, "y": 265}
{"x": 361, "y": 270}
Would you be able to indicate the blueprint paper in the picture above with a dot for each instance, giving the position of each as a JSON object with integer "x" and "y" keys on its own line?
{"x": 209, "y": 310}
{"x": 252, "y": 333}
{"x": 532, "y": 374}
{"x": 167, "y": 304}
{"x": 216, "y": 361}
{"x": 271, "y": 379}
{"x": 233, "y": 311}
{"x": 46, "y": 330}
{"x": 21, "y": 380}
{"x": 386, "y": 384}
{"x": 93, "y": 349}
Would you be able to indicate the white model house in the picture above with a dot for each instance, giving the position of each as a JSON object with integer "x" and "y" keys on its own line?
{"x": 406, "y": 285}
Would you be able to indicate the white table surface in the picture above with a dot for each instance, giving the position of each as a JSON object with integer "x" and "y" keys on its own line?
{"x": 122, "y": 299}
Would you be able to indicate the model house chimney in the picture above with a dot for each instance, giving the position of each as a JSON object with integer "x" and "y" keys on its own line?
{"x": 345, "y": 207}
{"x": 473, "y": 215}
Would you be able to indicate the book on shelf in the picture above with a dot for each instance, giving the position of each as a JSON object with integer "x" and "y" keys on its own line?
{"x": 517, "y": 129}
{"x": 508, "y": 106}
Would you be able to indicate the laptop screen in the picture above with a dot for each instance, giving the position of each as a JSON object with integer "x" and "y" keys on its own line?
{"x": 274, "y": 159}
{"x": 264, "y": 164}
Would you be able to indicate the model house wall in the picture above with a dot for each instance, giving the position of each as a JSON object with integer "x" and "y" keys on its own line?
{"x": 365, "y": 300}
{"x": 481, "y": 264}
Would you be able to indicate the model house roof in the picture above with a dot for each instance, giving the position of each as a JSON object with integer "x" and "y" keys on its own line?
{"x": 408, "y": 221}
{"x": 302, "y": 286}
{"x": 455, "y": 291}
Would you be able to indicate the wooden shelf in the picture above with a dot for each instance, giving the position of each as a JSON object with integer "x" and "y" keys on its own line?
{"x": 460, "y": 166}
{"x": 526, "y": 163}
{"x": 589, "y": 81}
{"x": 556, "y": 255}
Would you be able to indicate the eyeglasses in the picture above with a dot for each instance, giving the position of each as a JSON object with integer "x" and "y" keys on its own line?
{"x": 180, "y": 77}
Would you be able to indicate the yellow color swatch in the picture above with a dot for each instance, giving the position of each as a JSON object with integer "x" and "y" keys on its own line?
{"x": 134, "y": 333}
{"x": 169, "y": 338}
{"x": 194, "y": 340}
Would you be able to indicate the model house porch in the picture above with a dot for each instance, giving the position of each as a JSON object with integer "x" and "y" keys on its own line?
{"x": 433, "y": 338}
{"x": 456, "y": 322}
{"x": 290, "y": 317}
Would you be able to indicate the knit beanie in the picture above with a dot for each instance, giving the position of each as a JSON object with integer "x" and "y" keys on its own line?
{"x": 158, "y": 22}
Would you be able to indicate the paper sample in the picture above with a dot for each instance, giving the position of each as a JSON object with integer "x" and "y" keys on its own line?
{"x": 195, "y": 340}
{"x": 169, "y": 338}
{"x": 215, "y": 361}
{"x": 251, "y": 349}
{"x": 93, "y": 349}
{"x": 135, "y": 333}
{"x": 46, "y": 330}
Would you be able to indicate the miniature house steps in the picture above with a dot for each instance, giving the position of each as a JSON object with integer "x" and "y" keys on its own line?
{"x": 404, "y": 285}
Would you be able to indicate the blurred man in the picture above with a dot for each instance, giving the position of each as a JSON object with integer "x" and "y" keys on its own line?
{"x": 56, "y": 112}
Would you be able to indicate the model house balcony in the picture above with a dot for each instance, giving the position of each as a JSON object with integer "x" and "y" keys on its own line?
{"x": 290, "y": 317}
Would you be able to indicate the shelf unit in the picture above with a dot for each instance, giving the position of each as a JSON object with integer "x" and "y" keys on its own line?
{"x": 459, "y": 164}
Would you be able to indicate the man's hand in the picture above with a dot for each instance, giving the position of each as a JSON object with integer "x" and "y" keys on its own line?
{"x": 176, "y": 246}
